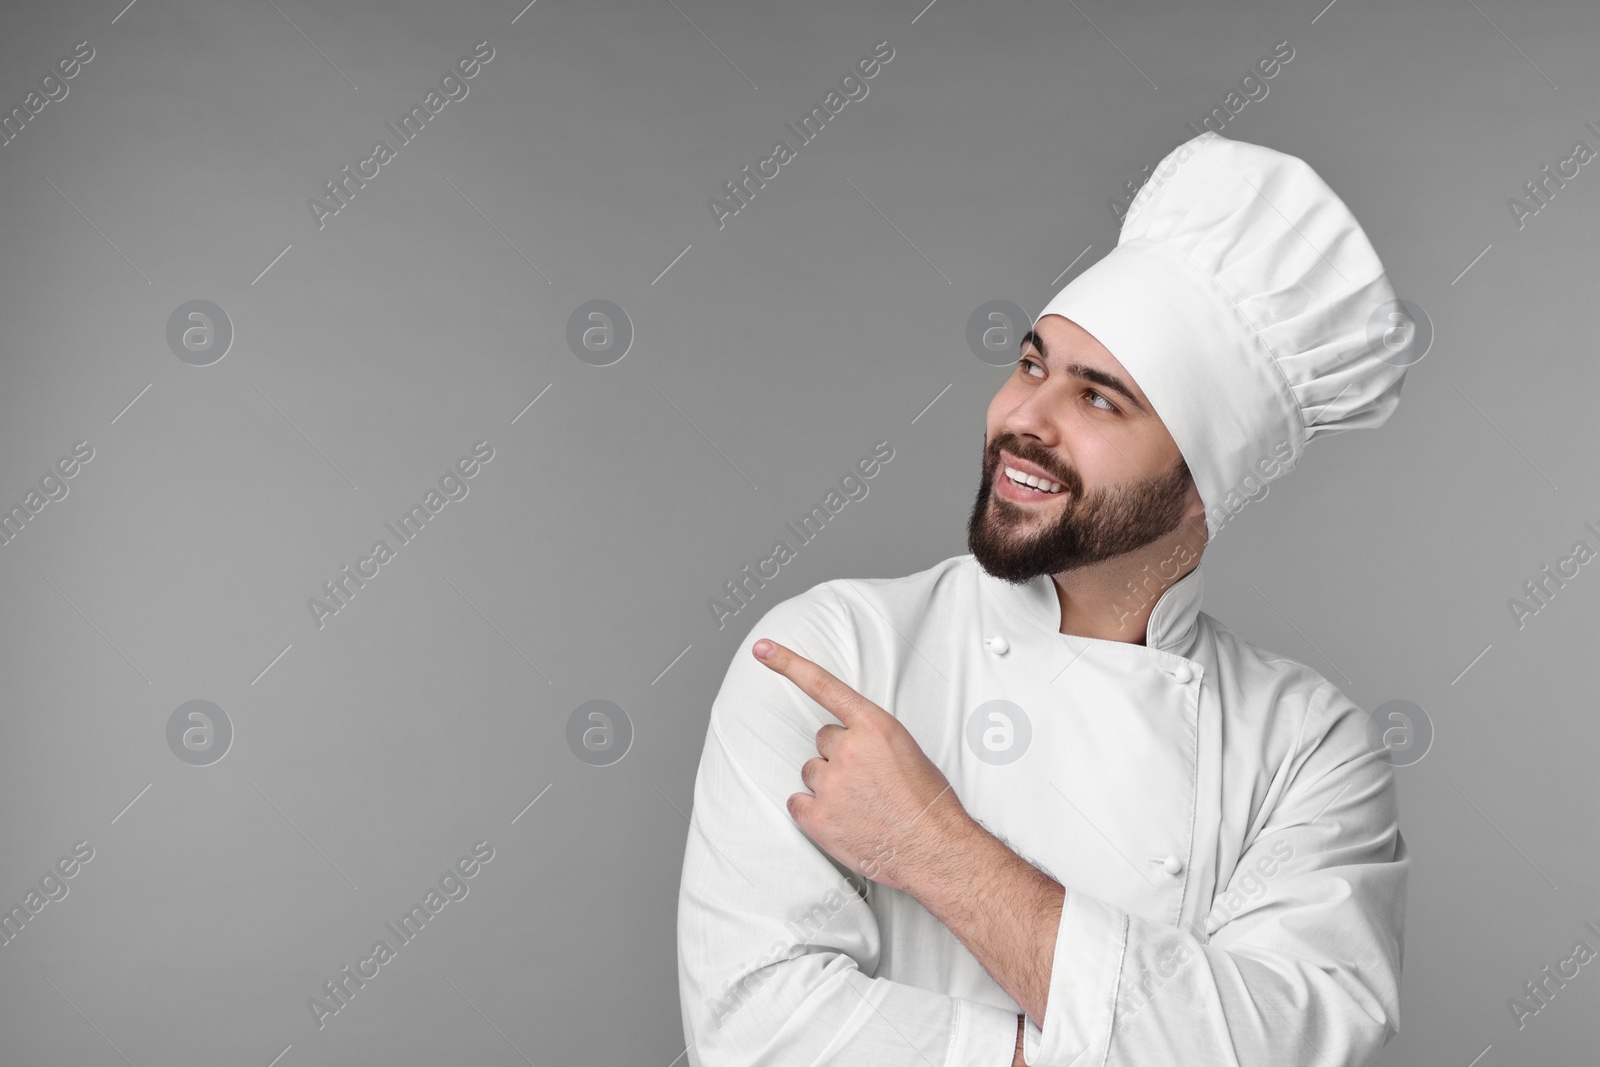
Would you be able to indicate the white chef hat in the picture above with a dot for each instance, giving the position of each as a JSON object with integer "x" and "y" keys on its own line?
{"x": 1243, "y": 297}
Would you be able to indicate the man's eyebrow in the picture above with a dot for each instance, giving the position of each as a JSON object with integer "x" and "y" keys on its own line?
{"x": 1086, "y": 372}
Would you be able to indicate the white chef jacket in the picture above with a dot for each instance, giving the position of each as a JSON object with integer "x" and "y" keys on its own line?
{"x": 1227, "y": 837}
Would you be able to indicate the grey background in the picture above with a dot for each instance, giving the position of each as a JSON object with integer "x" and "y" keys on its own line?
{"x": 827, "y": 315}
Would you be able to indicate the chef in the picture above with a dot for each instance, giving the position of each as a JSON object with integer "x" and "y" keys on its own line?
{"x": 1031, "y": 805}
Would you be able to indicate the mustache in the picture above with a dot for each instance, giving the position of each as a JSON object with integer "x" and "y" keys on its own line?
{"x": 1024, "y": 452}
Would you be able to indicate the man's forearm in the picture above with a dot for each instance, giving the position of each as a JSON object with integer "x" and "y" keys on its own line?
{"x": 1005, "y": 910}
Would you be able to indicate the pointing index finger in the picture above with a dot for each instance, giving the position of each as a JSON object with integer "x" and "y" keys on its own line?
{"x": 849, "y": 706}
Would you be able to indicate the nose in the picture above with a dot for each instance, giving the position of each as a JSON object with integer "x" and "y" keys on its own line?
{"x": 1032, "y": 416}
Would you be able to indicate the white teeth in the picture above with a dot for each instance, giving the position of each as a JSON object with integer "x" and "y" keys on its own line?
{"x": 1034, "y": 481}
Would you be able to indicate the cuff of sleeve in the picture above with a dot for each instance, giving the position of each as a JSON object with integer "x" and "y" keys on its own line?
{"x": 1084, "y": 972}
{"x": 983, "y": 1035}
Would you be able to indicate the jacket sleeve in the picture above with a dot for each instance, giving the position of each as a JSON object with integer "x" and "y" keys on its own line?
{"x": 1297, "y": 964}
{"x": 777, "y": 948}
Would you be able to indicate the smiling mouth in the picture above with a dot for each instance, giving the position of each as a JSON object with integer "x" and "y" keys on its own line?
{"x": 1028, "y": 486}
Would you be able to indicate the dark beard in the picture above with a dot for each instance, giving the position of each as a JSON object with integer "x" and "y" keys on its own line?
{"x": 1084, "y": 529}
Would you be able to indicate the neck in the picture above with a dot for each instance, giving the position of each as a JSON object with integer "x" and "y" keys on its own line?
{"x": 1112, "y": 600}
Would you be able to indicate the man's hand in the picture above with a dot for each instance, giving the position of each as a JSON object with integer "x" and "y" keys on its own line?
{"x": 877, "y": 804}
{"x": 883, "y": 808}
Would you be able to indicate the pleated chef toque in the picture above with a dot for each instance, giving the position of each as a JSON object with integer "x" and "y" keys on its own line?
{"x": 1246, "y": 301}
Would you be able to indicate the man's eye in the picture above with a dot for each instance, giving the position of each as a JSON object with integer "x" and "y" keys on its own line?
{"x": 1109, "y": 406}
{"x": 1026, "y": 362}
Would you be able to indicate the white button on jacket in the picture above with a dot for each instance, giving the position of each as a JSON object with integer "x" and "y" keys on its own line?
{"x": 1228, "y": 840}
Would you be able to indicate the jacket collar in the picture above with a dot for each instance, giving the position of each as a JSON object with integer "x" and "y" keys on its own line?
{"x": 1168, "y": 629}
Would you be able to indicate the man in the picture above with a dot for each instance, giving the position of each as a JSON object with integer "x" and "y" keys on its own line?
{"x": 1054, "y": 814}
